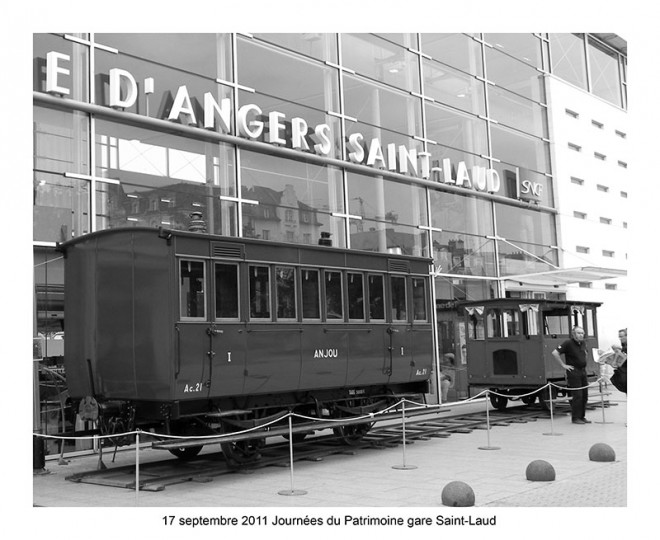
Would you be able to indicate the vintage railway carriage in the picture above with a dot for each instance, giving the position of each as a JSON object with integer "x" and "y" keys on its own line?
{"x": 510, "y": 343}
{"x": 193, "y": 333}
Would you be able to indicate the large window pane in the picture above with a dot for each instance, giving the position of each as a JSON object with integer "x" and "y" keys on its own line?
{"x": 464, "y": 214}
{"x": 522, "y": 183}
{"x": 520, "y": 149}
{"x": 295, "y": 200}
{"x": 455, "y": 129}
{"x": 525, "y": 47}
{"x": 382, "y": 60}
{"x": 517, "y": 112}
{"x": 523, "y": 258}
{"x": 525, "y": 225}
{"x": 464, "y": 254}
{"x": 60, "y": 207}
{"x": 456, "y": 50}
{"x": 452, "y": 87}
{"x": 287, "y": 76}
{"x": 316, "y": 45}
{"x": 212, "y": 56}
{"x": 514, "y": 75}
{"x": 604, "y": 72}
{"x": 568, "y": 59}
{"x": 163, "y": 178}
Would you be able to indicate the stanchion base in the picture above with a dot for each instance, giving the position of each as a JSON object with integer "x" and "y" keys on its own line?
{"x": 553, "y": 434}
{"x": 489, "y": 448}
{"x": 404, "y": 467}
{"x": 292, "y": 492}
{"x": 602, "y": 422}
{"x": 39, "y": 472}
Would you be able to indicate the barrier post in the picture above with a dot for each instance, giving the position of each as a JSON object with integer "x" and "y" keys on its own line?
{"x": 291, "y": 491}
{"x": 602, "y": 402}
{"x": 550, "y": 400}
{"x": 404, "y": 467}
{"x": 488, "y": 446}
{"x": 137, "y": 468}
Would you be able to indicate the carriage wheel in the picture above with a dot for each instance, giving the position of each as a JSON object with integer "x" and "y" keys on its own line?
{"x": 529, "y": 400}
{"x": 499, "y": 402}
{"x": 186, "y": 453}
{"x": 240, "y": 453}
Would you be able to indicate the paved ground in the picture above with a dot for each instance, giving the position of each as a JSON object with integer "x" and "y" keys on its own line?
{"x": 367, "y": 484}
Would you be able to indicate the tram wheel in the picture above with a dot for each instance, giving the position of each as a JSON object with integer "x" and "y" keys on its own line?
{"x": 240, "y": 453}
{"x": 529, "y": 400}
{"x": 352, "y": 434}
{"x": 545, "y": 396}
{"x": 186, "y": 453}
{"x": 499, "y": 402}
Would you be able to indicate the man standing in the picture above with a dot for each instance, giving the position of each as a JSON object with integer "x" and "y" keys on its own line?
{"x": 574, "y": 351}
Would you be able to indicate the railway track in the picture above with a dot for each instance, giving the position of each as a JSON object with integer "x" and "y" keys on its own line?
{"x": 157, "y": 475}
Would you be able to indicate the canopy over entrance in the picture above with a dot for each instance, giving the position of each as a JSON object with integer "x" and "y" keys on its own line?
{"x": 565, "y": 276}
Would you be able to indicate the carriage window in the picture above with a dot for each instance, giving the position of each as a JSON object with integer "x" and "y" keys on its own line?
{"x": 226, "y": 291}
{"x": 285, "y": 279}
{"x": 419, "y": 299}
{"x": 259, "y": 292}
{"x": 333, "y": 296}
{"x": 476, "y": 325}
{"x": 503, "y": 322}
{"x": 555, "y": 322}
{"x": 376, "y": 304}
{"x": 310, "y": 294}
{"x": 398, "y": 290}
{"x": 355, "y": 296}
{"x": 191, "y": 290}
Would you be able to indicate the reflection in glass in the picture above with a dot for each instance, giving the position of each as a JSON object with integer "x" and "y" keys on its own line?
{"x": 191, "y": 290}
{"x": 461, "y": 213}
{"x": 464, "y": 254}
{"x": 334, "y": 305}
{"x": 398, "y": 297}
{"x": 517, "y": 112}
{"x": 285, "y": 283}
{"x": 295, "y": 200}
{"x": 163, "y": 179}
{"x": 310, "y": 293}
{"x": 376, "y": 58}
{"x": 355, "y": 296}
{"x": 521, "y": 258}
{"x": 525, "y": 225}
{"x": 75, "y": 82}
{"x": 226, "y": 291}
{"x": 520, "y": 149}
{"x": 259, "y": 285}
{"x": 376, "y": 298}
{"x": 568, "y": 59}
{"x": 60, "y": 207}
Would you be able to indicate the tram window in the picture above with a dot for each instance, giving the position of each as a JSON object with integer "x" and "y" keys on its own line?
{"x": 590, "y": 322}
{"x": 476, "y": 326}
{"x": 310, "y": 294}
{"x": 334, "y": 307}
{"x": 503, "y": 323}
{"x": 555, "y": 322}
{"x": 419, "y": 299}
{"x": 376, "y": 295}
{"x": 398, "y": 290}
{"x": 285, "y": 280}
{"x": 226, "y": 291}
{"x": 192, "y": 300}
{"x": 355, "y": 296}
{"x": 259, "y": 292}
{"x": 530, "y": 323}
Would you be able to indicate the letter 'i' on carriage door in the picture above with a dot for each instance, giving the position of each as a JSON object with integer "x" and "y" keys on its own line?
{"x": 192, "y": 341}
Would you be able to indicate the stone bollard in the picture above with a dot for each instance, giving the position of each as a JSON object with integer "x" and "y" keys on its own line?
{"x": 457, "y": 493}
{"x": 601, "y": 452}
{"x": 540, "y": 471}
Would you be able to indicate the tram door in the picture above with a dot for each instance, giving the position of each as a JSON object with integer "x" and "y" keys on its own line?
{"x": 452, "y": 354}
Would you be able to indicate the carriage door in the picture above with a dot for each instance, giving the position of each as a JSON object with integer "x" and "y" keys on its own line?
{"x": 399, "y": 331}
{"x": 191, "y": 360}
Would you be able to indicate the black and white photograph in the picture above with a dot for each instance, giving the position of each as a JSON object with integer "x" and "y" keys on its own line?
{"x": 375, "y": 279}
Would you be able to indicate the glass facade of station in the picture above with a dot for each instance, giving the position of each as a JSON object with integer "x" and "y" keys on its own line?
{"x": 285, "y": 136}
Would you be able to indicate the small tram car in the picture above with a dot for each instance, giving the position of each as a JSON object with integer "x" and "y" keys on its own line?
{"x": 188, "y": 333}
{"x": 510, "y": 341}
